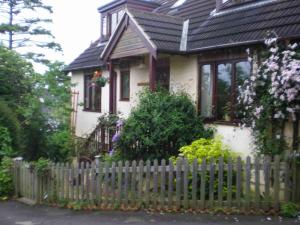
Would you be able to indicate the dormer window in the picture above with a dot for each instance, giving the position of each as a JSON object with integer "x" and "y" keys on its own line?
{"x": 109, "y": 22}
{"x": 104, "y": 27}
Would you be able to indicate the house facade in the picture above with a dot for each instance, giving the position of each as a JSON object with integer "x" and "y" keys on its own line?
{"x": 200, "y": 47}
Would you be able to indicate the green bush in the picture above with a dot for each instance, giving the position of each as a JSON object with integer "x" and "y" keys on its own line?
{"x": 289, "y": 210}
{"x": 6, "y": 182}
{"x": 159, "y": 126}
{"x": 9, "y": 120}
{"x": 209, "y": 149}
{"x": 206, "y": 148}
{"x": 5, "y": 143}
{"x": 42, "y": 167}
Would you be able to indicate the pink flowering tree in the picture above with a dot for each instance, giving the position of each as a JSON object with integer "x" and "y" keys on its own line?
{"x": 270, "y": 97}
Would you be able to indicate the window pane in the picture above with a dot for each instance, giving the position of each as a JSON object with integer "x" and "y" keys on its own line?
{"x": 97, "y": 98}
{"x": 206, "y": 91}
{"x": 125, "y": 85}
{"x": 87, "y": 88}
{"x": 104, "y": 25}
{"x": 120, "y": 15}
{"x": 114, "y": 21}
{"x": 243, "y": 71}
{"x": 223, "y": 109}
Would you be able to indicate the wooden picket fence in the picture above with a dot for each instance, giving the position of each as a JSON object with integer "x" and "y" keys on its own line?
{"x": 259, "y": 183}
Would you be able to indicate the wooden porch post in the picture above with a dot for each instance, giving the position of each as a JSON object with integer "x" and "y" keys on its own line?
{"x": 152, "y": 73}
{"x": 111, "y": 87}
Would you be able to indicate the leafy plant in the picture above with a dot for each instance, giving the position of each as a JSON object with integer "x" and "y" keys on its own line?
{"x": 42, "y": 167}
{"x": 5, "y": 143}
{"x": 6, "y": 181}
{"x": 206, "y": 148}
{"x": 290, "y": 210}
{"x": 159, "y": 126}
{"x": 270, "y": 97}
{"x": 210, "y": 149}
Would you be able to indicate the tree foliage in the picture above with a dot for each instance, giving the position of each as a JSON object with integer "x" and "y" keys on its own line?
{"x": 34, "y": 108}
{"x": 23, "y": 26}
{"x": 159, "y": 126}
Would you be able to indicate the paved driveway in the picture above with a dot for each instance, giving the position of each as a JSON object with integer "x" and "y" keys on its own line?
{"x": 13, "y": 213}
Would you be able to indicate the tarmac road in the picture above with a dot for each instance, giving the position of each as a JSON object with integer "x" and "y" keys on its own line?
{"x": 14, "y": 213}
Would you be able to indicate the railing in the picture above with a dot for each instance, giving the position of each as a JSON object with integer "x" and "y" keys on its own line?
{"x": 99, "y": 141}
{"x": 258, "y": 184}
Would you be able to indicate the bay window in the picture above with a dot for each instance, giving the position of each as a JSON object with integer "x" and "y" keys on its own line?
{"x": 218, "y": 92}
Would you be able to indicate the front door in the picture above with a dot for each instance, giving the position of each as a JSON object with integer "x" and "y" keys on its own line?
{"x": 163, "y": 73}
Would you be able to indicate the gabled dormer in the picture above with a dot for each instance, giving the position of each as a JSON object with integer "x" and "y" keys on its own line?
{"x": 112, "y": 13}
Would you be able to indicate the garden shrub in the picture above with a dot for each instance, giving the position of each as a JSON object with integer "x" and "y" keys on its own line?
{"x": 210, "y": 149}
{"x": 9, "y": 120}
{"x": 5, "y": 143}
{"x": 42, "y": 167}
{"x": 206, "y": 148}
{"x": 6, "y": 181}
{"x": 159, "y": 126}
{"x": 290, "y": 210}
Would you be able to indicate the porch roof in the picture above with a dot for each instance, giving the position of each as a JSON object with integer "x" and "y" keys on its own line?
{"x": 159, "y": 32}
{"x": 89, "y": 59}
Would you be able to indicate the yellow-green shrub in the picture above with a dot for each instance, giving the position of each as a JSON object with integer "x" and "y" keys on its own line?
{"x": 206, "y": 148}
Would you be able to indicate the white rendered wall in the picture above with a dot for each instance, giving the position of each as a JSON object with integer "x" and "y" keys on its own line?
{"x": 87, "y": 121}
{"x": 184, "y": 75}
{"x": 138, "y": 74}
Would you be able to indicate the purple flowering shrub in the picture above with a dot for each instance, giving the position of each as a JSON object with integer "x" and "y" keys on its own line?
{"x": 270, "y": 97}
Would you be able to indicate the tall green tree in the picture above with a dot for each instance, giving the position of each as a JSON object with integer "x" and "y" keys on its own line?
{"x": 23, "y": 26}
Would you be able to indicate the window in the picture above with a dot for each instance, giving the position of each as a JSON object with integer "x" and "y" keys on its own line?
{"x": 218, "y": 89}
{"x": 125, "y": 85}
{"x": 114, "y": 21}
{"x": 92, "y": 95}
{"x": 109, "y": 22}
{"x": 104, "y": 26}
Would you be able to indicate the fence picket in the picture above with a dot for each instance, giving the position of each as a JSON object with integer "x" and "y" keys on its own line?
{"x": 287, "y": 180}
{"x": 120, "y": 174}
{"x": 126, "y": 186}
{"x": 257, "y": 182}
{"x": 140, "y": 182}
{"x": 203, "y": 183}
{"x": 211, "y": 183}
{"x": 170, "y": 184}
{"x": 178, "y": 183}
{"x": 229, "y": 182}
{"x": 133, "y": 184}
{"x": 238, "y": 181}
{"x": 113, "y": 183}
{"x": 267, "y": 167}
{"x": 100, "y": 183}
{"x": 106, "y": 184}
{"x": 82, "y": 175}
{"x": 148, "y": 177}
{"x": 155, "y": 183}
{"x": 185, "y": 184}
{"x": 276, "y": 182}
{"x": 220, "y": 182}
{"x": 194, "y": 183}
{"x": 163, "y": 184}
{"x": 248, "y": 183}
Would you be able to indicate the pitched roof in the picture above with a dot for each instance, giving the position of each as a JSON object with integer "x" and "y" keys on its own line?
{"x": 241, "y": 23}
{"x": 89, "y": 59}
{"x": 249, "y": 23}
{"x": 163, "y": 30}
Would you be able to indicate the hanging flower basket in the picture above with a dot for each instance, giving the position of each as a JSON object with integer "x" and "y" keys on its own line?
{"x": 99, "y": 80}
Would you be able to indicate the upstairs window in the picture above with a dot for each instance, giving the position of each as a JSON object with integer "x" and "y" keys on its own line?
{"x": 104, "y": 26}
{"x": 109, "y": 22}
{"x": 219, "y": 89}
{"x": 92, "y": 95}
